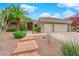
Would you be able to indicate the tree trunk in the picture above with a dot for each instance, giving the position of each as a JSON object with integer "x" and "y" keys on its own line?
{"x": 18, "y": 23}
{"x": 6, "y": 26}
{"x": 17, "y": 26}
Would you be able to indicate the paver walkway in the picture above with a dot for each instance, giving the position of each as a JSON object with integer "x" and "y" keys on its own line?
{"x": 26, "y": 47}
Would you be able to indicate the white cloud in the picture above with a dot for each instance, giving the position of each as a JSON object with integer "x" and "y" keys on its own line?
{"x": 69, "y": 5}
{"x": 28, "y": 8}
{"x": 46, "y": 14}
{"x": 68, "y": 13}
{"x": 56, "y": 15}
{"x": 77, "y": 8}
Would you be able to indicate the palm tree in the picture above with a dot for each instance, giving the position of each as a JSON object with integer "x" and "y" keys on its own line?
{"x": 14, "y": 13}
{"x": 18, "y": 14}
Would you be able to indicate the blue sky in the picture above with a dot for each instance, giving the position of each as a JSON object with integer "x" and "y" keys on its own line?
{"x": 56, "y": 10}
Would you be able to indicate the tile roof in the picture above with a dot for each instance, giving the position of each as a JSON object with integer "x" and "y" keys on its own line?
{"x": 54, "y": 20}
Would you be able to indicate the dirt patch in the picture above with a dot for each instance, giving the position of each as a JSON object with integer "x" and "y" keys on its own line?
{"x": 8, "y": 44}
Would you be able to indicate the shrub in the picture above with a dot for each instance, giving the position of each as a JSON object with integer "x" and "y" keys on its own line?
{"x": 23, "y": 28}
{"x": 19, "y": 34}
{"x": 70, "y": 48}
{"x": 34, "y": 28}
{"x": 11, "y": 30}
{"x": 77, "y": 30}
{"x": 37, "y": 29}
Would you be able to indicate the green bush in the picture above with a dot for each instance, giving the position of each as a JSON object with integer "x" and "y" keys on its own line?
{"x": 70, "y": 48}
{"x": 19, "y": 34}
{"x": 37, "y": 29}
{"x": 34, "y": 28}
{"x": 77, "y": 30}
{"x": 23, "y": 28}
{"x": 11, "y": 30}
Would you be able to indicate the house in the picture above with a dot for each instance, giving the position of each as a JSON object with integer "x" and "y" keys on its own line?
{"x": 14, "y": 23}
{"x": 49, "y": 25}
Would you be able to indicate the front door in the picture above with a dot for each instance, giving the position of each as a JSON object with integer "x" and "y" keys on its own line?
{"x": 30, "y": 25}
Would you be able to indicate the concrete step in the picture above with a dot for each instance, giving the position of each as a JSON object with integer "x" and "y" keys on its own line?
{"x": 27, "y": 38}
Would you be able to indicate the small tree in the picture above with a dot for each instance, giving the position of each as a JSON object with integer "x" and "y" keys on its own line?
{"x": 1, "y": 27}
{"x": 75, "y": 20}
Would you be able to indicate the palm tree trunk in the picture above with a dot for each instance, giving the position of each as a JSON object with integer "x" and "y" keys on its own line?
{"x": 17, "y": 26}
{"x": 18, "y": 23}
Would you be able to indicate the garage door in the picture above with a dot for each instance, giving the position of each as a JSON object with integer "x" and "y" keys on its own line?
{"x": 48, "y": 28}
{"x": 60, "y": 27}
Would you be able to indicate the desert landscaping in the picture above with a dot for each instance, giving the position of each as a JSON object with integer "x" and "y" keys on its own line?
{"x": 46, "y": 45}
{"x": 20, "y": 35}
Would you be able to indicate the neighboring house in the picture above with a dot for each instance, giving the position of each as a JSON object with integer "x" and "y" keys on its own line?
{"x": 50, "y": 25}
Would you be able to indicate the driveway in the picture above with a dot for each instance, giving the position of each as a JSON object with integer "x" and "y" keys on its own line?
{"x": 66, "y": 36}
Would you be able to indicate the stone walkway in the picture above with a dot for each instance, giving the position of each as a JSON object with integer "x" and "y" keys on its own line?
{"x": 26, "y": 47}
